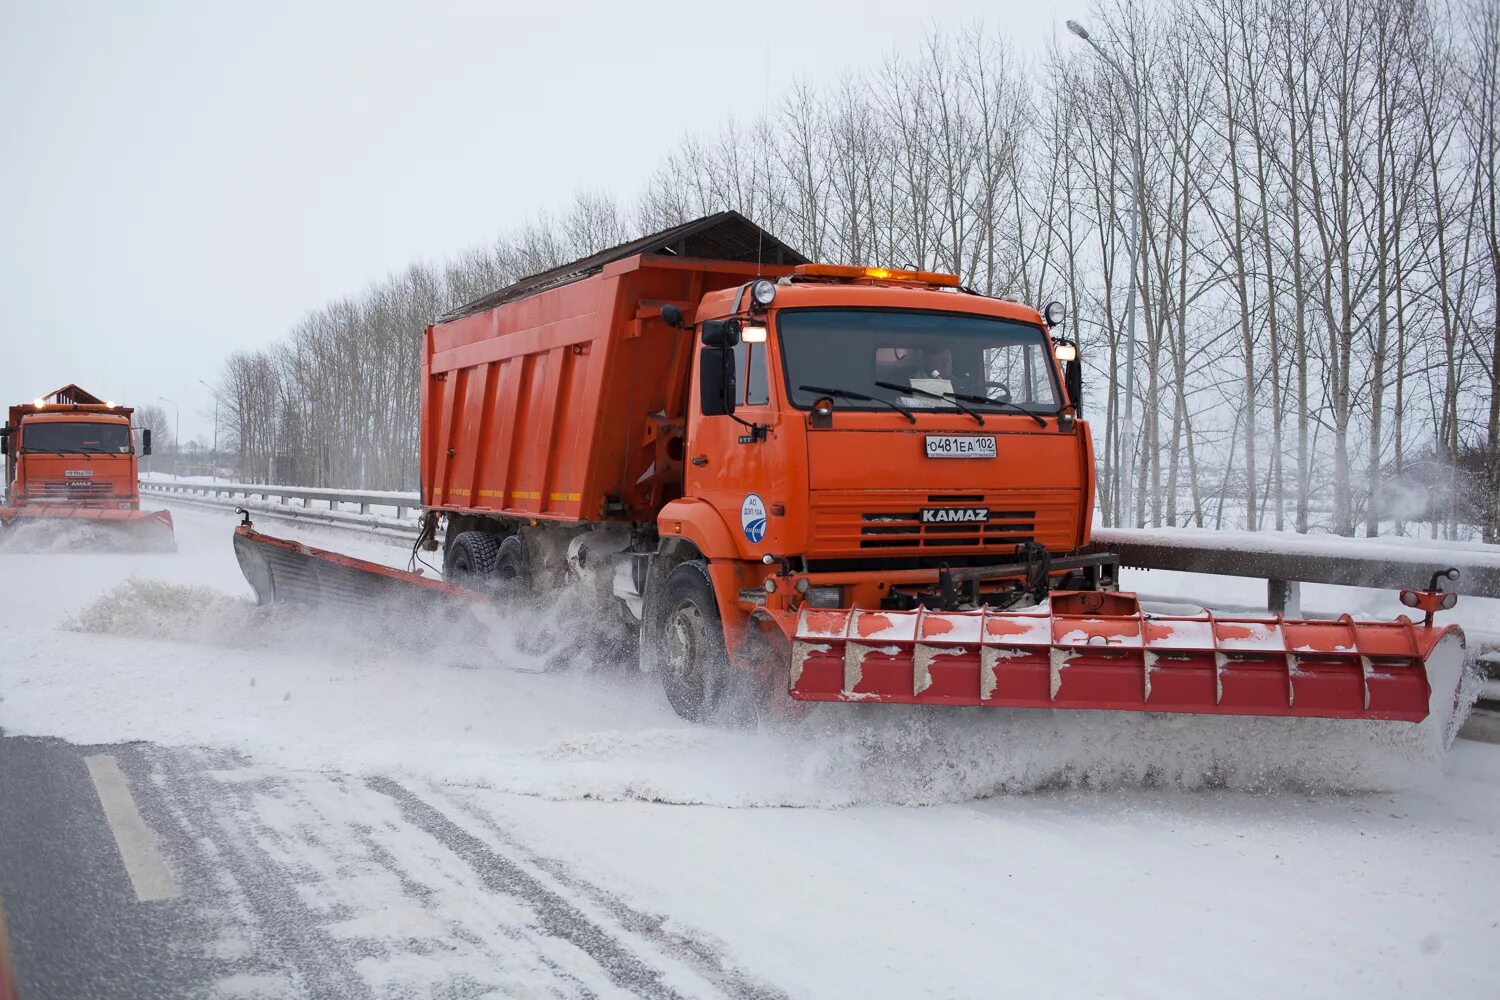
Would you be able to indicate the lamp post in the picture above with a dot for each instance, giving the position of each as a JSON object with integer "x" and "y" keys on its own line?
{"x": 176, "y": 437}
{"x": 1127, "y": 478}
{"x": 214, "y": 472}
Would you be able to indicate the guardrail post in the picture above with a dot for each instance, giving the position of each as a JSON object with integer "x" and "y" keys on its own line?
{"x": 401, "y": 511}
{"x": 364, "y": 508}
{"x": 1284, "y": 597}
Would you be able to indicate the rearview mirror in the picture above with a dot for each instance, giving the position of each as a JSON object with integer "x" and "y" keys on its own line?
{"x": 720, "y": 332}
{"x": 146, "y": 441}
{"x": 716, "y": 389}
{"x": 1073, "y": 379}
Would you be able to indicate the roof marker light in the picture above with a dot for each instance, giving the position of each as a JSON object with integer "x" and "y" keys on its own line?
{"x": 851, "y": 272}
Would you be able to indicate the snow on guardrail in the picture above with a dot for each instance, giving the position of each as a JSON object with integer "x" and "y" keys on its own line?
{"x": 379, "y": 512}
{"x": 1283, "y": 557}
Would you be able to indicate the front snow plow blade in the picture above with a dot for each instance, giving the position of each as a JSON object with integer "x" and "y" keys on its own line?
{"x": 1100, "y": 651}
{"x": 139, "y": 530}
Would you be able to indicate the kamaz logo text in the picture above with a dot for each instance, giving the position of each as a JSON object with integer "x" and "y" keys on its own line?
{"x": 955, "y": 515}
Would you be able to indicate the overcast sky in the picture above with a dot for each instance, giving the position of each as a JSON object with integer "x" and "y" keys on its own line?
{"x": 182, "y": 180}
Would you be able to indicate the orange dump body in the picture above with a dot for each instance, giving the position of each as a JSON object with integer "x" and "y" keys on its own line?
{"x": 567, "y": 405}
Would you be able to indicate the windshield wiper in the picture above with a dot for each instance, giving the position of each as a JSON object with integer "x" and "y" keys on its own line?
{"x": 946, "y": 397}
{"x": 999, "y": 402}
{"x": 851, "y": 394}
{"x": 49, "y": 451}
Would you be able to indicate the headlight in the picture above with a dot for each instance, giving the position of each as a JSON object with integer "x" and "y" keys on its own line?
{"x": 753, "y": 334}
{"x": 1054, "y": 313}
{"x": 825, "y": 597}
{"x": 763, "y": 293}
{"x": 1066, "y": 350}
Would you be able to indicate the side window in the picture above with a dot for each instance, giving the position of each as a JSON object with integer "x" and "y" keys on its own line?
{"x": 750, "y": 372}
{"x": 1021, "y": 372}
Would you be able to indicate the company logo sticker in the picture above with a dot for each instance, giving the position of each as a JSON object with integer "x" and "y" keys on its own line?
{"x": 753, "y": 517}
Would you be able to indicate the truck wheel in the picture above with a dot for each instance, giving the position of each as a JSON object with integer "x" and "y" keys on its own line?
{"x": 510, "y": 564}
{"x": 688, "y": 643}
{"x": 471, "y": 558}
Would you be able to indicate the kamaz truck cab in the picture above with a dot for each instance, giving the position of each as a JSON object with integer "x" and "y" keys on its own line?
{"x": 71, "y": 456}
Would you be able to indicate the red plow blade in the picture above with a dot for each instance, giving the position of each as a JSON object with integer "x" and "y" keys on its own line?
{"x": 1116, "y": 658}
{"x": 144, "y": 529}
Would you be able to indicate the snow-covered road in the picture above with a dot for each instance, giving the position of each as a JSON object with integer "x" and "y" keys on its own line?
{"x": 439, "y": 818}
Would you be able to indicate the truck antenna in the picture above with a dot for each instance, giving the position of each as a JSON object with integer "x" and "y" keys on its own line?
{"x": 765, "y": 111}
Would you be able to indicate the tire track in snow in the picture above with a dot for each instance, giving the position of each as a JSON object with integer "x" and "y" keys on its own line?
{"x": 563, "y": 919}
{"x": 254, "y": 892}
{"x": 336, "y": 899}
{"x": 707, "y": 960}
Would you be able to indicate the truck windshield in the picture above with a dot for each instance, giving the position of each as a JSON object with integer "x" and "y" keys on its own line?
{"x": 86, "y": 438}
{"x": 975, "y": 357}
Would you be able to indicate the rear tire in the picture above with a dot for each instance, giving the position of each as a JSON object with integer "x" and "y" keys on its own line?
{"x": 509, "y": 573}
{"x": 471, "y": 559}
{"x": 687, "y": 643}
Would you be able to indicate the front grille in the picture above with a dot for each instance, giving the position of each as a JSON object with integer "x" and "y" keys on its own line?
{"x": 904, "y": 529}
{"x": 70, "y": 489}
{"x": 853, "y": 523}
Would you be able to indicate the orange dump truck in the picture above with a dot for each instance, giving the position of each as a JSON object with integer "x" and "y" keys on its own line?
{"x": 834, "y": 483}
{"x": 70, "y": 457}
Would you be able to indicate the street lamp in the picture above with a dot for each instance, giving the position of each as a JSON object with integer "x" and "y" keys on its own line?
{"x": 1127, "y": 481}
{"x": 214, "y": 471}
{"x": 176, "y": 437}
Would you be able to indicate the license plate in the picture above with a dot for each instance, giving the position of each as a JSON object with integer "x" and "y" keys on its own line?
{"x": 960, "y": 446}
{"x": 78, "y": 472}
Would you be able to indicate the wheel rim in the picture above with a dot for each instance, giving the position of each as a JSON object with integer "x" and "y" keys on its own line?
{"x": 681, "y": 644}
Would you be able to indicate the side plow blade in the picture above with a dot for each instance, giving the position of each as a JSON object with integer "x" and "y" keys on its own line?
{"x": 282, "y": 571}
{"x": 1116, "y": 658}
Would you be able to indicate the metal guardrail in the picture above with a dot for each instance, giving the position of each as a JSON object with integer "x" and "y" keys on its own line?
{"x": 351, "y": 509}
{"x": 406, "y": 504}
{"x": 1297, "y": 560}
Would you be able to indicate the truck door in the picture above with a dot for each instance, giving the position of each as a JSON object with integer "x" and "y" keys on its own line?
{"x": 735, "y": 459}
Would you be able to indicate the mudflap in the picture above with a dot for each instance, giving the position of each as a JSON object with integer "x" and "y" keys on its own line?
{"x": 1089, "y": 650}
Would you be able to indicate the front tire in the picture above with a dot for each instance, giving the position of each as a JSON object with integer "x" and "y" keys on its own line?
{"x": 687, "y": 643}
